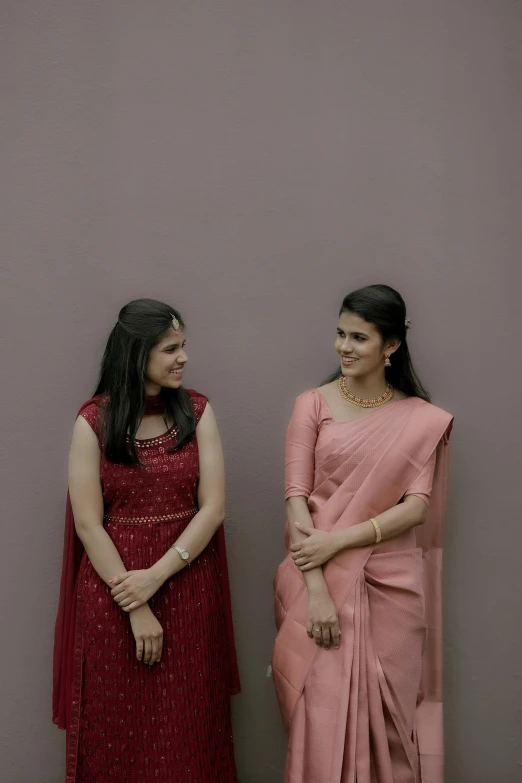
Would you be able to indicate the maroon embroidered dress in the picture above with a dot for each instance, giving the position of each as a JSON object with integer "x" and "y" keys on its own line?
{"x": 171, "y": 722}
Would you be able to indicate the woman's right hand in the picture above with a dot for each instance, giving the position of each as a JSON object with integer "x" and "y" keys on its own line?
{"x": 148, "y": 634}
{"x": 322, "y": 621}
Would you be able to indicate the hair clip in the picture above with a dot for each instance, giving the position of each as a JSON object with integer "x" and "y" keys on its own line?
{"x": 175, "y": 323}
{"x": 407, "y": 323}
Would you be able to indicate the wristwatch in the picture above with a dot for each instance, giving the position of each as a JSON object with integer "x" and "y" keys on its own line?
{"x": 181, "y": 552}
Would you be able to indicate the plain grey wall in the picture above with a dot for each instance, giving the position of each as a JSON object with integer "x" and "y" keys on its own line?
{"x": 251, "y": 162}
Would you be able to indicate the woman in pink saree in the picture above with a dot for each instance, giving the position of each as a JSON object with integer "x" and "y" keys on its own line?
{"x": 357, "y": 659}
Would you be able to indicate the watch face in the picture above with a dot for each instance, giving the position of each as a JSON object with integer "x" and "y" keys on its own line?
{"x": 184, "y": 554}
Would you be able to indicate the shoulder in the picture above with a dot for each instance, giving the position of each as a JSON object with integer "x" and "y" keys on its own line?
{"x": 310, "y": 398}
{"x": 433, "y": 410}
{"x": 199, "y": 402}
{"x": 432, "y": 415}
{"x": 308, "y": 405}
{"x": 92, "y": 411}
{"x": 195, "y": 395}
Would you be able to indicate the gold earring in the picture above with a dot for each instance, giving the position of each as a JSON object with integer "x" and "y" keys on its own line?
{"x": 387, "y": 362}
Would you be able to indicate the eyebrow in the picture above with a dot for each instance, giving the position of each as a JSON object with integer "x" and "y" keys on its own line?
{"x": 173, "y": 345}
{"x": 355, "y": 331}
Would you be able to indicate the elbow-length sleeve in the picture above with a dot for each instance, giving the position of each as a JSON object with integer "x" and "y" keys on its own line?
{"x": 301, "y": 437}
{"x": 423, "y": 483}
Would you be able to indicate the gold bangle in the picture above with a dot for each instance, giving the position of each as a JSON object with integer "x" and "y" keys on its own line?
{"x": 378, "y": 535}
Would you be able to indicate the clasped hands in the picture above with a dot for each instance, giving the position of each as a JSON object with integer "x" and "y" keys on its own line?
{"x": 319, "y": 547}
{"x": 134, "y": 588}
{"x": 131, "y": 591}
{"x": 322, "y": 620}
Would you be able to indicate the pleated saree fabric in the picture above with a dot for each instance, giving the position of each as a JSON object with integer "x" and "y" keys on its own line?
{"x": 371, "y": 711}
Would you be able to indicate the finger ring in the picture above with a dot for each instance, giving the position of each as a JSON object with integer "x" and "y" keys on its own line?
{"x": 317, "y": 629}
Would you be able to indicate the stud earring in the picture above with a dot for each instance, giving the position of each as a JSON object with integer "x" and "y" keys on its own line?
{"x": 387, "y": 362}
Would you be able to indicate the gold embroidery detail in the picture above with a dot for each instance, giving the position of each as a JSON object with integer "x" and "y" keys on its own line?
{"x": 144, "y": 520}
{"x": 145, "y": 443}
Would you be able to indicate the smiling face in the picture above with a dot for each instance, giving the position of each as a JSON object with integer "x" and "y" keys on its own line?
{"x": 166, "y": 363}
{"x": 361, "y": 347}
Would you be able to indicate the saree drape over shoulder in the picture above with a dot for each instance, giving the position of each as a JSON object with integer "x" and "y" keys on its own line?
{"x": 371, "y": 711}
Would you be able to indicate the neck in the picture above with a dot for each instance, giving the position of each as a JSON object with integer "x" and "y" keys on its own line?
{"x": 152, "y": 389}
{"x": 368, "y": 387}
{"x": 154, "y": 405}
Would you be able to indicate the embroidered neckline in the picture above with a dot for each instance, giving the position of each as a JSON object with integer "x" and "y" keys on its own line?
{"x": 163, "y": 438}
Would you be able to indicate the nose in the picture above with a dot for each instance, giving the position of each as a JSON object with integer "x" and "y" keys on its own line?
{"x": 346, "y": 346}
{"x": 182, "y": 358}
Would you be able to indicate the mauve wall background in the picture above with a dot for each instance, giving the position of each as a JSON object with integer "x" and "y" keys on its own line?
{"x": 251, "y": 162}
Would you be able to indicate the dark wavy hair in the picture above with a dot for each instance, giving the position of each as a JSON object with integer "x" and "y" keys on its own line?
{"x": 384, "y": 307}
{"x": 140, "y": 326}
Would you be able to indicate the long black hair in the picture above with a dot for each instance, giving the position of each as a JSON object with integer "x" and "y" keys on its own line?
{"x": 140, "y": 325}
{"x": 384, "y": 307}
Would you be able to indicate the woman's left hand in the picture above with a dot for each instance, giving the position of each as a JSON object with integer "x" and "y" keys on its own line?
{"x": 315, "y": 550}
{"x": 134, "y": 588}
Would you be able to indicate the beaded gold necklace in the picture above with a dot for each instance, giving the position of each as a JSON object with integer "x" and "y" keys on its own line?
{"x": 361, "y": 401}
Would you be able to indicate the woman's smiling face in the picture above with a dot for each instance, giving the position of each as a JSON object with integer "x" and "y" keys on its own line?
{"x": 166, "y": 362}
{"x": 360, "y": 346}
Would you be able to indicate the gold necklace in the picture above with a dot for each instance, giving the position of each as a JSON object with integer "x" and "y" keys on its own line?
{"x": 361, "y": 401}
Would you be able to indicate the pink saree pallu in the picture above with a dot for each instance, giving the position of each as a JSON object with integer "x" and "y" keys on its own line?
{"x": 371, "y": 711}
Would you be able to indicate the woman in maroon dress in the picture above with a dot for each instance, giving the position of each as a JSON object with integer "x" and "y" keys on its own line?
{"x": 144, "y": 652}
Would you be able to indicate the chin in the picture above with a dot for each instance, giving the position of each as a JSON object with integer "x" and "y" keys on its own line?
{"x": 169, "y": 384}
{"x": 349, "y": 372}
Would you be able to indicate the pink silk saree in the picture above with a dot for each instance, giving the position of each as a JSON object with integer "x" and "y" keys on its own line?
{"x": 370, "y": 712}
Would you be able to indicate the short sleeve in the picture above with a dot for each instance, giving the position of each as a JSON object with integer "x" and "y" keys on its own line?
{"x": 199, "y": 401}
{"x": 423, "y": 483}
{"x": 92, "y": 415}
{"x": 301, "y": 438}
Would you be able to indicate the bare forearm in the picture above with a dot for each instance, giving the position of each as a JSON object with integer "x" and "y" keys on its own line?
{"x": 297, "y": 511}
{"x": 101, "y": 551}
{"x": 195, "y": 538}
{"x": 393, "y": 522}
